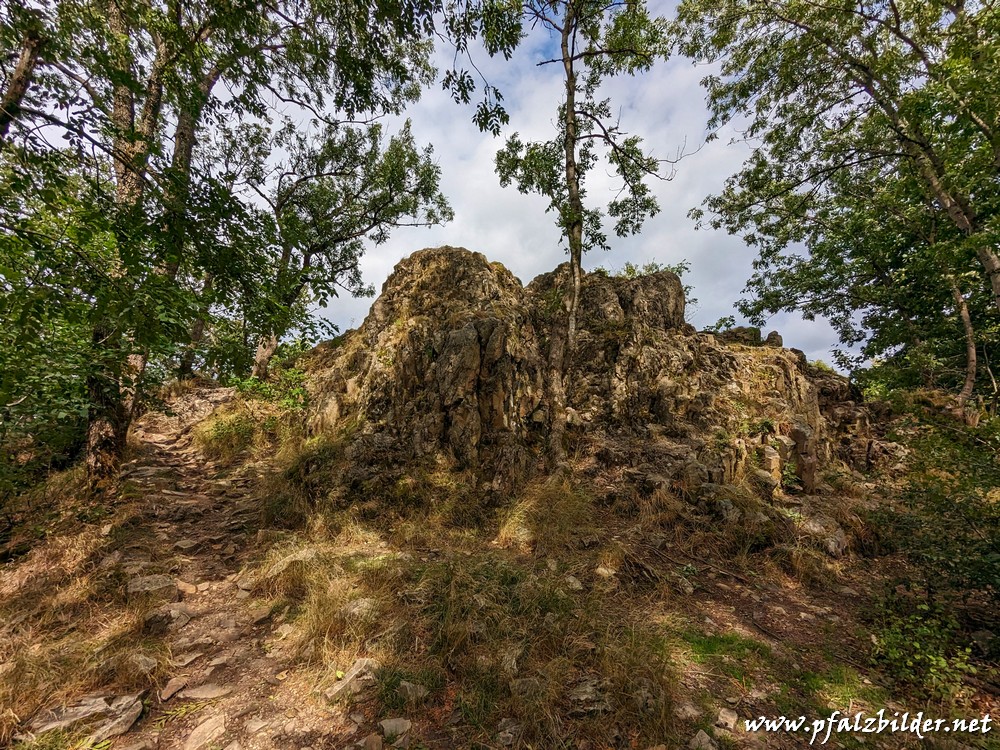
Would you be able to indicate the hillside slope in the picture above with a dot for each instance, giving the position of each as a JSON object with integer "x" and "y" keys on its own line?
{"x": 396, "y": 560}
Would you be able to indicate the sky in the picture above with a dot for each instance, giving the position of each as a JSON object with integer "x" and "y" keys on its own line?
{"x": 666, "y": 107}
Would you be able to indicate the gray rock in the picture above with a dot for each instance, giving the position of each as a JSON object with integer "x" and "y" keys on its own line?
{"x": 727, "y": 719}
{"x": 589, "y": 697}
{"x": 127, "y": 713}
{"x": 702, "y": 741}
{"x": 359, "y": 609}
{"x": 183, "y": 660}
{"x": 187, "y": 546}
{"x": 393, "y": 728}
{"x": 411, "y": 692}
{"x": 173, "y": 686}
{"x": 687, "y": 712}
{"x": 371, "y": 742}
{"x": 254, "y": 725}
{"x": 207, "y": 732}
{"x": 354, "y": 680}
{"x": 146, "y": 743}
{"x": 508, "y": 730}
{"x": 162, "y": 586}
{"x": 827, "y": 533}
{"x": 147, "y": 665}
{"x": 766, "y": 482}
{"x": 770, "y": 461}
{"x": 117, "y": 714}
{"x": 207, "y": 692}
{"x": 301, "y": 556}
{"x": 574, "y": 583}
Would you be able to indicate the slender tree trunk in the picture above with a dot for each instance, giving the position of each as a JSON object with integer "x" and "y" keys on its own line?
{"x": 962, "y": 308}
{"x": 991, "y": 262}
{"x": 20, "y": 80}
{"x": 562, "y": 347}
{"x": 574, "y": 225}
{"x": 114, "y": 396}
{"x": 266, "y": 348}
{"x": 185, "y": 138}
{"x": 107, "y": 424}
{"x": 186, "y": 367}
{"x": 557, "y": 397}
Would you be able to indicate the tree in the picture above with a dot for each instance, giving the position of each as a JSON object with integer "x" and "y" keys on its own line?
{"x": 332, "y": 193}
{"x": 888, "y": 89}
{"x": 596, "y": 40}
{"x": 887, "y": 271}
{"x": 132, "y": 88}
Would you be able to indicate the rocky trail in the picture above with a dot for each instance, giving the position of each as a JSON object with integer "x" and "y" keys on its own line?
{"x": 231, "y": 683}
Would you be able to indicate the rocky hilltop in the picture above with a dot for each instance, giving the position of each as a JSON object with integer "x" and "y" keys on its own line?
{"x": 401, "y": 560}
{"x": 451, "y": 364}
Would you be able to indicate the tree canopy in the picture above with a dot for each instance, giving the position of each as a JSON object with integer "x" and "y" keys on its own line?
{"x": 876, "y": 148}
{"x": 130, "y": 219}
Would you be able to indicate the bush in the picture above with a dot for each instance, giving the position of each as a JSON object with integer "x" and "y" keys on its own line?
{"x": 918, "y": 645}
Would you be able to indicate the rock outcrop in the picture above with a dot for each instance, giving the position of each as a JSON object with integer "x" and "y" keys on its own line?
{"x": 451, "y": 365}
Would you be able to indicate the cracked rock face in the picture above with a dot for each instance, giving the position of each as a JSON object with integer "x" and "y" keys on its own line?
{"x": 447, "y": 361}
{"x": 452, "y": 365}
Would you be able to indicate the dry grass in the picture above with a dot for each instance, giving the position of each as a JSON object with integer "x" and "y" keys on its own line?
{"x": 546, "y": 517}
{"x": 67, "y": 628}
{"x": 492, "y": 632}
{"x": 249, "y": 428}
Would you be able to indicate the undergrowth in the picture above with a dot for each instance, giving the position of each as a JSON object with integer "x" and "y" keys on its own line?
{"x": 264, "y": 417}
{"x": 946, "y": 526}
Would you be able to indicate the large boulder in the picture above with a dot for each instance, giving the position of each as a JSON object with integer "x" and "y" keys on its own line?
{"x": 453, "y": 360}
{"x": 446, "y": 362}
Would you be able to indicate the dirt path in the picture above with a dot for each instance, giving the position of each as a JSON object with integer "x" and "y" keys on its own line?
{"x": 231, "y": 684}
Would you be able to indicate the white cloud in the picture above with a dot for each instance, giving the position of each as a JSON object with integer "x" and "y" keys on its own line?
{"x": 665, "y": 107}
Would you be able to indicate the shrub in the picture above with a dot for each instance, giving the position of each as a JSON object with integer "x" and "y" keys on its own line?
{"x": 918, "y": 645}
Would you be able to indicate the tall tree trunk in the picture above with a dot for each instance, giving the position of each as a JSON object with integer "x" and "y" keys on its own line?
{"x": 186, "y": 367}
{"x": 266, "y": 348}
{"x": 185, "y": 138}
{"x": 991, "y": 262}
{"x": 107, "y": 421}
{"x": 557, "y": 397}
{"x": 962, "y": 307}
{"x": 562, "y": 347}
{"x": 114, "y": 393}
{"x": 574, "y": 224}
{"x": 20, "y": 80}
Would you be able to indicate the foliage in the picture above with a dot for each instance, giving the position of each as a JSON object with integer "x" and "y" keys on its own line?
{"x": 136, "y": 141}
{"x": 597, "y": 41}
{"x": 949, "y": 521}
{"x": 266, "y": 416}
{"x": 328, "y": 194}
{"x": 287, "y": 389}
{"x": 917, "y": 645}
{"x": 724, "y": 323}
{"x": 871, "y": 188}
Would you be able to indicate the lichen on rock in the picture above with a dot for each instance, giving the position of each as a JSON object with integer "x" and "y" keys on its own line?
{"x": 451, "y": 364}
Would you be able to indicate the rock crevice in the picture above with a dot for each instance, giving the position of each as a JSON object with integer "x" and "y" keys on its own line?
{"x": 452, "y": 363}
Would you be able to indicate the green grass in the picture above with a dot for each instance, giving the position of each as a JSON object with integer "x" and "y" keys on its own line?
{"x": 736, "y": 646}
